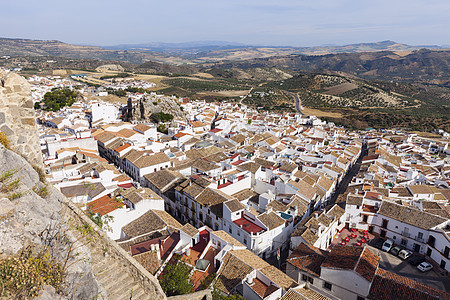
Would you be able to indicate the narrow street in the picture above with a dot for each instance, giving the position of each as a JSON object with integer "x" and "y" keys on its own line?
{"x": 349, "y": 176}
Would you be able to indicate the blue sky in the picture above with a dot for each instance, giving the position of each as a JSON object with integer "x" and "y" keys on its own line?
{"x": 263, "y": 22}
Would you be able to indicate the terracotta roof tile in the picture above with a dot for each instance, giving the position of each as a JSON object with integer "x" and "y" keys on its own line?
{"x": 390, "y": 286}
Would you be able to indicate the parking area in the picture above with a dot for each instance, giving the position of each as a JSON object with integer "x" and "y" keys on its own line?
{"x": 401, "y": 267}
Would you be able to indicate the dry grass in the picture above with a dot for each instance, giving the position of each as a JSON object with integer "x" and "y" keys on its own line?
{"x": 320, "y": 113}
{"x": 114, "y": 99}
{"x": 341, "y": 88}
{"x": 203, "y": 75}
{"x": 427, "y": 134}
{"x": 62, "y": 73}
{"x": 225, "y": 93}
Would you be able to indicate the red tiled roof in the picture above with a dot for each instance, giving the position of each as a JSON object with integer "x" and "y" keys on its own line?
{"x": 343, "y": 257}
{"x": 215, "y": 130}
{"x": 238, "y": 162}
{"x": 308, "y": 258}
{"x": 367, "y": 265}
{"x": 123, "y": 147}
{"x": 390, "y": 286}
{"x": 372, "y": 195}
{"x": 169, "y": 244}
{"x": 125, "y": 185}
{"x": 143, "y": 247}
{"x": 262, "y": 289}
{"x": 104, "y": 205}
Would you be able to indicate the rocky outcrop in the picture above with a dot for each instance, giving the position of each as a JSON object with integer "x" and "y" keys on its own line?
{"x": 17, "y": 117}
{"x": 34, "y": 215}
{"x": 98, "y": 268}
{"x": 30, "y": 216}
{"x": 110, "y": 68}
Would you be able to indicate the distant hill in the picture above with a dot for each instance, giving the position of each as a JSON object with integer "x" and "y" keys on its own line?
{"x": 49, "y": 49}
{"x": 424, "y": 65}
{"x": 177, "y": 47}
{"x": 184, "y": 53}
{"x": 25, "y": 47}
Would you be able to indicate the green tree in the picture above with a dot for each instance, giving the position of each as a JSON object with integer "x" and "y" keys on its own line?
{"x": 161, "y": 117}
{"x": 175, "y": 279}
{"x": 218, "y": 296}
{"x": 60, "y": 97}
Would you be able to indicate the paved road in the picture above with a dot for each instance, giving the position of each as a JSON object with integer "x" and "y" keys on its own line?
{"x": 297, "y": 102}
{"x": 246, "y": 95}
{"x": 349, "y": 176}
{"x": 395, "y": 265}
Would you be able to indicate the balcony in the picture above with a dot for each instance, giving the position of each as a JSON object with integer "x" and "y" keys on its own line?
{"x": 370, "y": 209}
{"x": 405, "y": 234}
{"x": 419, "y": 239}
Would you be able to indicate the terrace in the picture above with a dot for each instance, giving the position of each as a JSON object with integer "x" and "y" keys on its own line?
{"x": 248, "y": 226}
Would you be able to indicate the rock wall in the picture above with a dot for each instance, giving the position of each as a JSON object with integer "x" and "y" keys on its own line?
{"x": 17, "y": 117}
{"x": 29, "y": 211}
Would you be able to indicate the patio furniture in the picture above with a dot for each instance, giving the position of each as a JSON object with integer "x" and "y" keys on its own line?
{"x": 363, "y": 241}
{"x": 353, "y": 235}
{"x": 347, "y": 239}
{"x": 358, "y": 244}
{"x": 343, "y": 243}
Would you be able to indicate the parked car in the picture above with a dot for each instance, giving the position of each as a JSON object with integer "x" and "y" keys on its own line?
{"x": 396, "y": 250}
{"x": 424, "y": 266}
{"x": 378, "y": 243}
{"x": 387, "y": 245}
{"x": 404, "y": 254}
{"x": 416, "y": 260}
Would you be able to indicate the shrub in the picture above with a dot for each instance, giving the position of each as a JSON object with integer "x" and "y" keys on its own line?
{"x": 4, "y": 140}
{"x": 161, "y": 117}
{"x": 175, "y": 279}
{"x": 24, "y": 275}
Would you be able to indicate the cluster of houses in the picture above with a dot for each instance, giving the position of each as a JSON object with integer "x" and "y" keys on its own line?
{"x": 229, "y": 188}
{"x": 402, "y": 193}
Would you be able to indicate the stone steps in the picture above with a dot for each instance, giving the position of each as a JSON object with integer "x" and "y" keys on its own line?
{"x": 117, "y": 283}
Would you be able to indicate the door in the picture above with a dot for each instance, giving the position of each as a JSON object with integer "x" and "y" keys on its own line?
{"x": 416, "y": 248}
{"x": 370, "y": 229}
{"x": 429, "y": 252}
{"x": 442, "y": 265}
{"x": 383, "y": 233}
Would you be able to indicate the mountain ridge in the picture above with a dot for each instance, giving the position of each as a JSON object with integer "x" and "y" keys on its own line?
{"x": 183, "y": 53}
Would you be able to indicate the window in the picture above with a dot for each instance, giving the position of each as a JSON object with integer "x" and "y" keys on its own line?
{"x": 238, "y": 233}
{"x": 385, "y": 223}
{"x": 230, "y": 230}
{"x": 404, "y": 241}
{"x": 245, "y": 241}
{"x": 327, "y": 285}
{"x": 360, "y": 298}
{"x": 307, "y": 278}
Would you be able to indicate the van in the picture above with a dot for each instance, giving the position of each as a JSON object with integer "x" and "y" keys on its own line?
{"x": 387, "y": 245}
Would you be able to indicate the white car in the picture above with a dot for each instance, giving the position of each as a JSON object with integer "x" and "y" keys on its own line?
{"x": 404, "y": 254}
{"x": 387, "y": 245}
{"x": 425, "y": 266}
